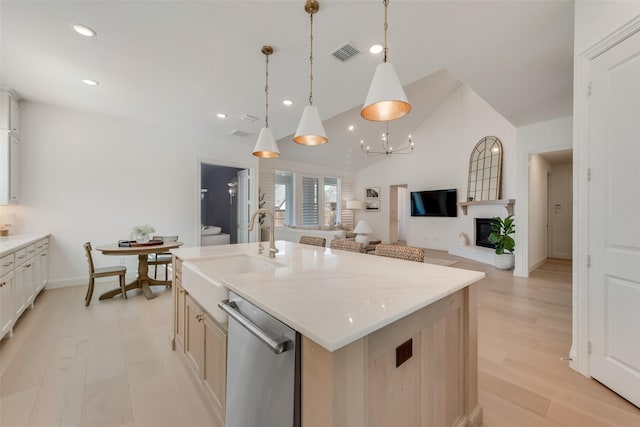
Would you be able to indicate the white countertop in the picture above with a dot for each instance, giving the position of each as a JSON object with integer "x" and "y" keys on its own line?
{"x": 14, "y": 242}
{"x": 337, "y": 297}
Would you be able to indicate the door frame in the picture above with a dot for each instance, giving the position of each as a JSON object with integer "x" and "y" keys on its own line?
{"x": 580, "y": 334}
{"x": 253, "y": 189}
{"x": 393, "y": 212}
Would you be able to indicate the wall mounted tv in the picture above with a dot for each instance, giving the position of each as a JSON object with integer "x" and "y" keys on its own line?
{"x": 434, "y": 203}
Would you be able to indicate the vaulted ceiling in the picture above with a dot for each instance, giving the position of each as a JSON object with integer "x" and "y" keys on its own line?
{"x": 178, "y": 63}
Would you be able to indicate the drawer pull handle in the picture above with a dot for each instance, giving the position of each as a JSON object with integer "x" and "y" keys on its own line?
{"x": 2, "y": 284}
{"x": 22, "y": 256}
{"x": 199, "y": 317}
{"x": 7, "y": 265}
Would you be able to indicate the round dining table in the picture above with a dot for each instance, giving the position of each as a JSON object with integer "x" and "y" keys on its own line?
{"x": 143, "y": 281}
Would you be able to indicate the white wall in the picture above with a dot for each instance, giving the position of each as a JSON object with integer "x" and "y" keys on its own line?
{"x": 88, "y": 177}
{"x": 539, "y": 169}
{"x": 594, "y": 20}
{"x": 443, "y": 144}
{"x": 552, "y": 135}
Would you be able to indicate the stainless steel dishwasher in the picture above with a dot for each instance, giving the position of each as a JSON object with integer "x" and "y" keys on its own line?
{"x": 263, "y": 368}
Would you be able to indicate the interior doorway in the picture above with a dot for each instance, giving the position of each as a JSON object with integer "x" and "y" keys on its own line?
{"x": 224, "y": 202}
{"x": 398, "y": 213}
{"x": 550, "y": 207}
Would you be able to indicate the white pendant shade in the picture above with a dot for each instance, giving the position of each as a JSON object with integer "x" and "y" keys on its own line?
{"x": 310, "y": 129}
{"x": 266, "y": 146}
{"x": 386, "y": 99}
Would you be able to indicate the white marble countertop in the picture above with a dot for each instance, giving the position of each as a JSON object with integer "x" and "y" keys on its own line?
{"x": 337, "y": 297}
{"x": 14, "y": 242}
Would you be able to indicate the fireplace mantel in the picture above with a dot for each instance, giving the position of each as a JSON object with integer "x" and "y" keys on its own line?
{"x": 507, "y": 203}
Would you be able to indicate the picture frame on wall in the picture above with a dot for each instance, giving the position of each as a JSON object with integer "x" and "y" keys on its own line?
{"x": 372, "y": 204}
{"x": 372, "y": 192}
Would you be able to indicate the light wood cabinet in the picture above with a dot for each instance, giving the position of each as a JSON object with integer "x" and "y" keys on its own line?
{"x": 206, "y": 351}
{"x": 204, "y": 344}
{"x": 377, "y": 381}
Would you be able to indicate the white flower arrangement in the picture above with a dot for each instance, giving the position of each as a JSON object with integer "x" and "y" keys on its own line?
{"x": 143, "y": 229}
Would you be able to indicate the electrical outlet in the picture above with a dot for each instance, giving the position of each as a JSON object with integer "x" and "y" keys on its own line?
{"x": 435, "y": 239}
{"x": 121, "y": 260}
{"x": 404, "y": 352}
{"x": 426, "y": 238}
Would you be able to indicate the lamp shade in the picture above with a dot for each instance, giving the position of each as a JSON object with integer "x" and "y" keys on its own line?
{"x": 266, "y": 146}
{"x": 363, "y": 227}
{"x": 386, "y": 99}
{"x": 310, "y": 129}
{"x": 354, "y": 204}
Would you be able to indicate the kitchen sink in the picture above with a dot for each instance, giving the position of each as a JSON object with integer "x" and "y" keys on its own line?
{"x": 201, "y": 278}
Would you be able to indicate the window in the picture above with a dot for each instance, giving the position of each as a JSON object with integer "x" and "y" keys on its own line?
{"x": 283, "y": 198}
{"x": 310, "y": 201}
{"x": 331, "y": 198}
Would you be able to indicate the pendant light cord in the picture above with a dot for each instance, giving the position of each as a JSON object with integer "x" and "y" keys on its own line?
{"x": 386, "y": 49}
{"x": 311, "y": 59}
{"x": 266, "y": 91}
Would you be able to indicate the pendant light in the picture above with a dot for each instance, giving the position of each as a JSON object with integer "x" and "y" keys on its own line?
{"x": 386, "y": 99}
{"x": 266, "y": 146}
{"x": 310, "y": 129}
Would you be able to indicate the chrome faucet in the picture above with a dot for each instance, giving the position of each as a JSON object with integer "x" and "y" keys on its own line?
{"x": 272, "y": 243}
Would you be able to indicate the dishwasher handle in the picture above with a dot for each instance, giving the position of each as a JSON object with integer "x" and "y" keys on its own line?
{"x": 277, "y": 345}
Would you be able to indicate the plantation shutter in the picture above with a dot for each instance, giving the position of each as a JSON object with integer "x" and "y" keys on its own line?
{"x": 310, "y": 208}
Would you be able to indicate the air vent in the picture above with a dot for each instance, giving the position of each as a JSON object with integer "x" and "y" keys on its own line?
{"x": 248, "y": 117}
{"x": 241, "y": 133}
{"x": 345, "y": 52}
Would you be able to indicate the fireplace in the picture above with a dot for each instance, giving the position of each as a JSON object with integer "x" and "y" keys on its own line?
{"x": 483, "y": 229}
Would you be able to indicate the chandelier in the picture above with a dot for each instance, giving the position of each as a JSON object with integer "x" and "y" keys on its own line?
{"x": 386, "y": 148}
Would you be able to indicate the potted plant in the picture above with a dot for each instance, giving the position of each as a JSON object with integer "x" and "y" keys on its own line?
{"x": 505, "y": 245}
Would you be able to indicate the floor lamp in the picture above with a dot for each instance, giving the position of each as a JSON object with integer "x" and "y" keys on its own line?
{"x": 354, "y": 205}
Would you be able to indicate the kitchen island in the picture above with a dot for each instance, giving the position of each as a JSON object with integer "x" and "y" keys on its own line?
{"x": 384, "y": 341}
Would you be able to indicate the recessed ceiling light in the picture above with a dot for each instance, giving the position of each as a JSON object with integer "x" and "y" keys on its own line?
{"x": 376, "y": 48}
{"x": 90, "y": 82}
{"x": 83, "y": 30}
{"x": 221, "y": 115}
{"x": 287, "y": 102}
{"x": 351, "y": 127}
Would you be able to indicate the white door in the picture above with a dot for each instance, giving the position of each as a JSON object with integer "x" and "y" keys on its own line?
{"x": 243, "y": 206}
{"x": 614, "y": 234}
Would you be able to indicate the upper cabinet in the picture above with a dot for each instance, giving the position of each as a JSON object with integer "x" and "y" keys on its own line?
{"x": 9, "y": 149}
{"x": 9, "y": 113}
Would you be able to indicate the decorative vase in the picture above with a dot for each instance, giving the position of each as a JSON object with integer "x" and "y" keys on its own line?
{"x": 463, "y": 239}
{"x": 504, "y": 261}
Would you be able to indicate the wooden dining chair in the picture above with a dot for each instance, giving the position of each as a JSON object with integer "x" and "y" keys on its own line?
{"x": 94, "y": 273}
{"x": 347, "y": 245}
{"x": 408, "y": 253}
{"x": 161, "y": 259}
{"x": 313, "y": 240}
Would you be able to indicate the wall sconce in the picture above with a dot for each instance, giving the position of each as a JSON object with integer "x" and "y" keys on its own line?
{"x": 233, "y": 189}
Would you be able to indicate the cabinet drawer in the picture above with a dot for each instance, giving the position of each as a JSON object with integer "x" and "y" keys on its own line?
{"x": 31, "y": 250}
{"x": 6, "y": 264}
{"x": 21, "y": 256}
{"x": 42, "y": 244}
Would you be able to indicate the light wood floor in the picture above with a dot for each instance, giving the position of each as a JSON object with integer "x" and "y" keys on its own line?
{"x": 110, "y": 364}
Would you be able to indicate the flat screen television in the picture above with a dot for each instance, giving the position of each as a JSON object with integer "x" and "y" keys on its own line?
{"x": 434, "y": 203}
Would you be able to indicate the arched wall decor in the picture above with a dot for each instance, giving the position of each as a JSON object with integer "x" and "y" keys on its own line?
{"x": 485, "y": 170}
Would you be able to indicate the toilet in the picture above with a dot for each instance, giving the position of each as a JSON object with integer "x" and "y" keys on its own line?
{"x": 211, "y": 235}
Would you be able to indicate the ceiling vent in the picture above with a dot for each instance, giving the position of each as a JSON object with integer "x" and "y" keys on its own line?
{"x": 241, "y": 133}
{"x": 248, "y": 117}
{"x": 345, "y": 52}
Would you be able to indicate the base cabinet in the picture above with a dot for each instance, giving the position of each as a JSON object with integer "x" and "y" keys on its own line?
{"x": 203, "y": 342}
{"x": 23, "y": 274}
{"x": 7, "y": 314}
